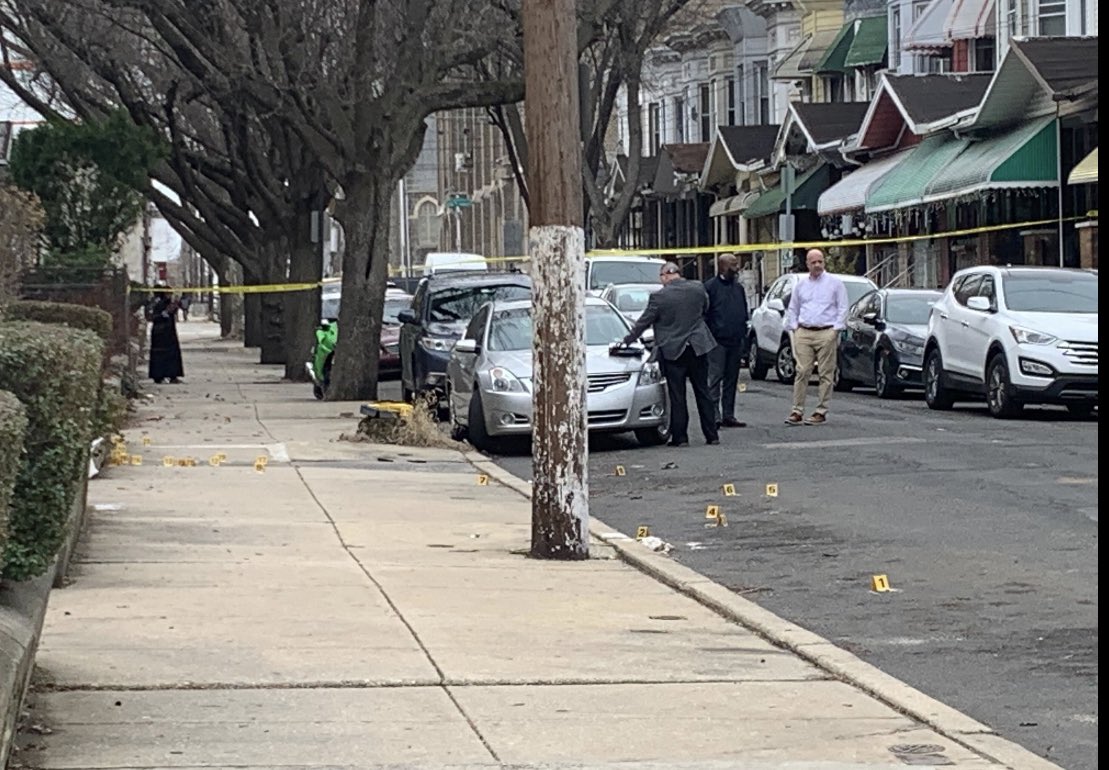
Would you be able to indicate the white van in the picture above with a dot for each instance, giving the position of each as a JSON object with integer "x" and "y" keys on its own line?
{"x": 444, "y": 261}
{"x": 601, "y": 272}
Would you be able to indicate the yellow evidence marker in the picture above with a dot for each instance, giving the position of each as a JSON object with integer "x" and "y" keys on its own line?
{"x": 743, "y": 387}
{"x": 880, "y": 584}
{"x": 260, "y": 467}
{"x": 620, "y": 470}
{"x": 712, "y": 512}
{"x": 483, "y": 480}
{"x": 146, "y": 441}
{"x": 729, "y": 490}
{"x": 136, "y": 459}
{"x": 262, "y": 460}
{"x": 168, "y": 461}
{"x": 771, "y": 490}
{"x": 642, "y": 532}
{"x": 214, "y": 461}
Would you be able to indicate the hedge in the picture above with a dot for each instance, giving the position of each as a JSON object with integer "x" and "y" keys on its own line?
{"x": 13, "y": 422}
{"x": 67, "y": 313}
{"x": 55, "y": 372}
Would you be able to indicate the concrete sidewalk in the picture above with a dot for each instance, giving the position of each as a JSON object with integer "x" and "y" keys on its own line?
{"x": 362, "y": 606}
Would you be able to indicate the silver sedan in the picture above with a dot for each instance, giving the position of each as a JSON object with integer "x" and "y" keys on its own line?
{"x": 489, "y": 377}
{"x": 630, "y": 298}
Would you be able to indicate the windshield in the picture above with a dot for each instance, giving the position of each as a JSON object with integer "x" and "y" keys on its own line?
{"x": 855, "y": 290}
{"x": 910, "y": 308}
{"x": 631, "y": 300}
{"x": 623, "y": 271}
{"x": 462, "y": 302}
{"x": 1051, "y": 292}
{"x": 512, "y": 328}
{"x": 393, "y": 308}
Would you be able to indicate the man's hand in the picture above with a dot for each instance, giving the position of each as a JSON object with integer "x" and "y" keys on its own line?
{"x": 618, "y": 345}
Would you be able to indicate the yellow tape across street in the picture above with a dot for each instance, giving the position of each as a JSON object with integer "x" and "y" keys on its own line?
{"x": 745, "y": 248}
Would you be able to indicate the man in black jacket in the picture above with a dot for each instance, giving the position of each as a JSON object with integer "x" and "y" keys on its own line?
{"x": 727, "y": 320}
{"x": 682, "y": 343}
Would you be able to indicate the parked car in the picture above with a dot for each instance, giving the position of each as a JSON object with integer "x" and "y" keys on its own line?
{"x": 489, "y": 377}
{"x": 327, "y": 336}
{"x": 630, "y": 298}
{"x": 768, "y": 344}
{"x": 443, "y": 305}
{"x": 1016, "y": 335}
{"x": 883, "y": 344}
{"x": 446, "y": 261}
{"x": 601, "y": 272}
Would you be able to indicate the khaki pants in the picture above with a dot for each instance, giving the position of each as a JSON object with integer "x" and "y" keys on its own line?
{"x": 819, "y": 348}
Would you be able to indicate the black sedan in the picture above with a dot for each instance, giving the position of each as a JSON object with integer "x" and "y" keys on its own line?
{"x": 883, "y": 344}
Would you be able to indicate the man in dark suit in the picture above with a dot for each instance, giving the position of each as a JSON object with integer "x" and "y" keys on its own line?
{"x": 727, "y": 320}
{"x": 682, "y": 344}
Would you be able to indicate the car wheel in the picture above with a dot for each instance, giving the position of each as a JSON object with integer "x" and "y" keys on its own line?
{"x": 885, "y": 384}
{"x": 839, "y": 382}
{"x": 477, "y": 433}
{"x": 653, "y": 436}
{"x": 999, "y": 396}
{"x": 458, "y": 431}
{"x": 935, "y": 394}
{"x": 785, "y": 367}
{"x": 1081, "y": 409}
{"x": 755, "y": 365}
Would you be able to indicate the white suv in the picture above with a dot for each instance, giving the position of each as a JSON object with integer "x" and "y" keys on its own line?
{"x": 1017, "y": 335}
{"x": 768, "y": 344}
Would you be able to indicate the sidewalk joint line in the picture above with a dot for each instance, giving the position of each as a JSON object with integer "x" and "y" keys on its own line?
{"x": 446, "y": 684}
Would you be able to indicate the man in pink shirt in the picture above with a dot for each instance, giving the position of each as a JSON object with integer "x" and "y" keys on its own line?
{"x": 817, "y": 313}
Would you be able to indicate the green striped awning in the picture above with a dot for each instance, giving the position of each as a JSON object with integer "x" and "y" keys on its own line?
{"x": 869, "y": 44}
{"x": 834, "y": 58}
{"x": 806, "y": 192}
{"x": 1023, "y": 156}
{"x": 905, "y": 185}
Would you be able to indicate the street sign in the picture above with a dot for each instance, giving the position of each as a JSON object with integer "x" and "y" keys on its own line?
{"x": 459, "y": 201}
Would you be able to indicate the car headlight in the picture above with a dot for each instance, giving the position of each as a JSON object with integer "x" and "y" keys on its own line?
{"x": 909, "y": 345}
{"x": 650, "y": 374}
{"x": 504, "y": 381}
{"x": 436, "y": 344}
{"x": 1031, "y": 337}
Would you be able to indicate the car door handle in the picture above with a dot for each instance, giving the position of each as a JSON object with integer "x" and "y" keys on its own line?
{"x": 966, "y": 324}
{"x": 943, "y": 316}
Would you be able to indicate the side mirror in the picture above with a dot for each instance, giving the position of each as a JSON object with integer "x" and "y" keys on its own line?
{"x": 979, "y": 303}
{"x": 869, "y": 318}
{"x": 776, "y": 304}
{"x": 407, "y": 316}
{"x": 467, "y": 346}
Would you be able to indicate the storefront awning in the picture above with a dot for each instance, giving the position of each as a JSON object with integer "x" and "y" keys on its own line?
{"x": 904, "y": 186}
{"x": 870, "y": 43}
{"x": 926, "y": 33}
{"x": 806, "y": 191}
{"x": 733, "y": 205}
{"x": 1023, "y": 156}
{"x": 1086, "y": 170}
{"x": 850, "y": 193}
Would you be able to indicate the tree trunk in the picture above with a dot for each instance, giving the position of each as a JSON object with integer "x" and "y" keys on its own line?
{"x": 252, "y": 330}
{"x": 273, "y": 328}
{"x": 364, "y": 215}
{"x": 230, "y": 304}
{"x": 560, "y": 504}
{"x": 302, "y": 308}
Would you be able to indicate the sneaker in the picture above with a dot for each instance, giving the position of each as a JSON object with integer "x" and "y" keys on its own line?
{"x": 816, "y": 419}
{"x": 795, "y": 418}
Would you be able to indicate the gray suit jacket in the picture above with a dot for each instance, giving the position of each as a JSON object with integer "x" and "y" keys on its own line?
{"x": 677, "y": 311}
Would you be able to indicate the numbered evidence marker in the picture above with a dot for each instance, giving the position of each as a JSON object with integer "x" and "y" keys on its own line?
{"x": 168, "y": 461}
{"x": 743, "y": 387}
{"x": 136, "y": 459}
{"x": 712, "y": 512}
{"x": 146, "y": 441}
{"x": 880, "y": 584}
{"x": 262, "y": 460}
{"x": 729, "y": 490}
{"x": 222, "y": 457}
{"x": 642, "y": 532}
{"x": 620, "y": 470}
{"x": 259, "y": 466}
{"x": 483, "y": 480}
{"x": 214, "y": 461}
{"x": 771, "y": 490}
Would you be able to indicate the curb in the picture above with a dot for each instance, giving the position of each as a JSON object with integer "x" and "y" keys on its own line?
{"x": 815, "y": 649}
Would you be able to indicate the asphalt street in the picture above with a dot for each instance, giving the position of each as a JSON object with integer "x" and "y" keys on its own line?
{"x": 986, "y": 529}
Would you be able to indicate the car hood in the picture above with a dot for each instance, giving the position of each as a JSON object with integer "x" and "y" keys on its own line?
{"x": 597, "y": 361}
{"x": 907, "y": 331}
{"x": 1075, "y": 327}
{"x": 452, "y": 330}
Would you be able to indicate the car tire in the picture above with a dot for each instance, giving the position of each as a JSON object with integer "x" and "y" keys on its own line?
{"x": 656, "y": 436}
{"x": 458, "y": 431}
{"x": 1081, "y": 410}
{"x": 936, "y": 394}
{"x": 999, "y": 394}
{"x": 477, "y": 434}
{"x": 841, "y": 383}
{"x": 755, "y": 364}
{"x": 785, "y": 367}
{"x": 884, "y": 379}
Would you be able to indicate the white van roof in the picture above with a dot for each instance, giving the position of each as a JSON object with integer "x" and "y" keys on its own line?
{"x": 440, "y": 261}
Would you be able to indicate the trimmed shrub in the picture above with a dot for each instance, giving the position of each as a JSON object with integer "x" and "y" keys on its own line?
{"x": 13, "y": 422}
{"x": 55, "y": 372}
{"x": 75, "y": 316}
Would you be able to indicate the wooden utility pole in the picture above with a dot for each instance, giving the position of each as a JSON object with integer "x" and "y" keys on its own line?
{"x": 560, "y": 488}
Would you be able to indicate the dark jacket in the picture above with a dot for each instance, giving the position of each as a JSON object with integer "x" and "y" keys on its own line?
{"x": 727, "y": 314}
{"x": 677, "y": 311}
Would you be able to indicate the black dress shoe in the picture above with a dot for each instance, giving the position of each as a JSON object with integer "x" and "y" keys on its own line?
{"x": 732, "y": 422}
{"x": 675, "y": 443}
{"x": 712, "y": 441}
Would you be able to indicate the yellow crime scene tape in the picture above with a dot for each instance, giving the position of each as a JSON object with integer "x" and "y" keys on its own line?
{"x": 745, "y": 248}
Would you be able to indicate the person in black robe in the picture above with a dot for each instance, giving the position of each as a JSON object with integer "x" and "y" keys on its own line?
{"x": 165, "y": 350}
